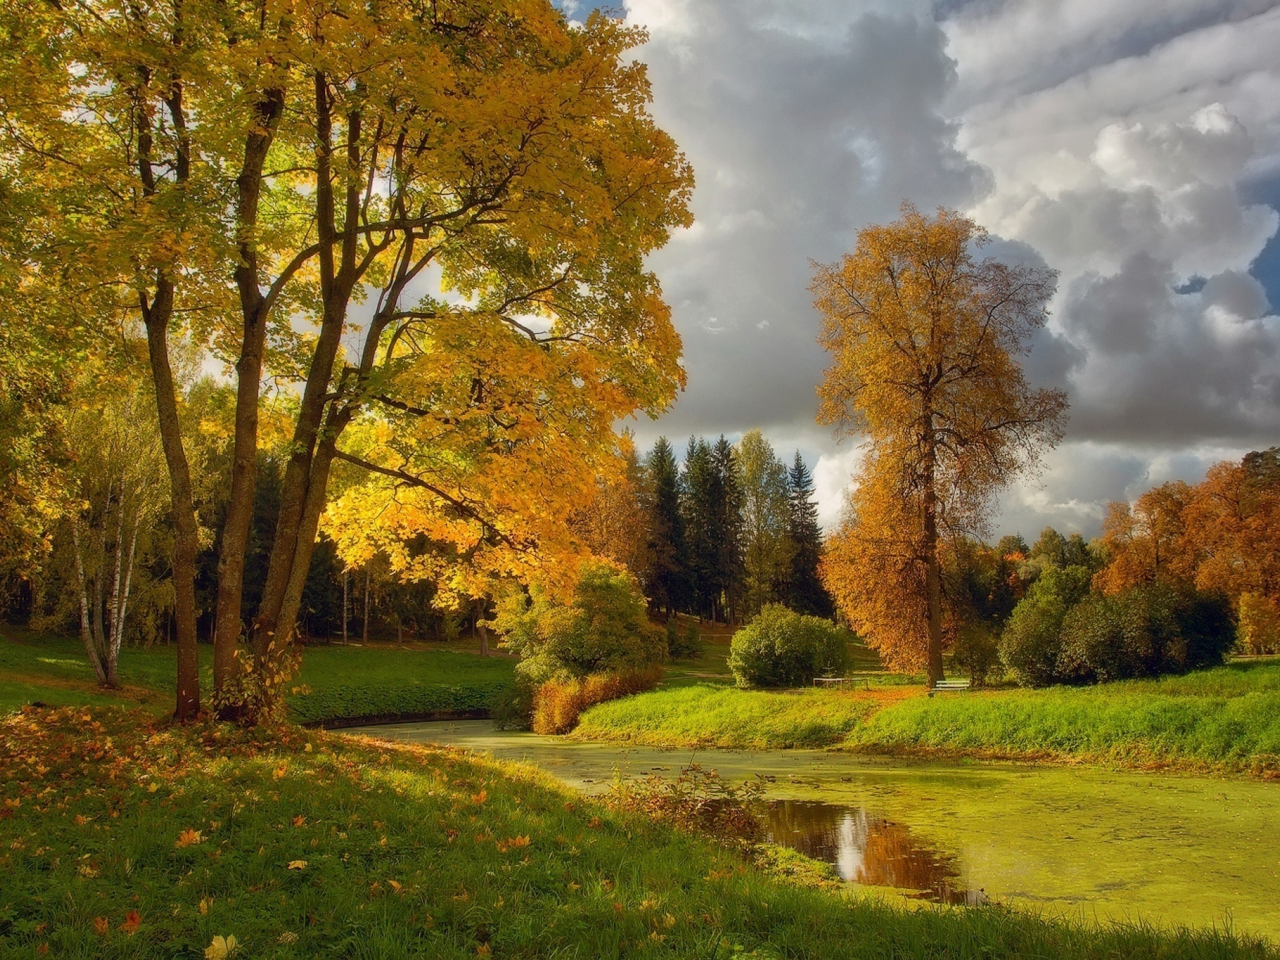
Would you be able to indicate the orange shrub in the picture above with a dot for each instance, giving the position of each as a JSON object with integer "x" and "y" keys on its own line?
{"x": 557, "y": 703}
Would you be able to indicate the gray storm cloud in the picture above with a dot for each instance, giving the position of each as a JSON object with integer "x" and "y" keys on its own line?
{"x": 1113, "y": 142}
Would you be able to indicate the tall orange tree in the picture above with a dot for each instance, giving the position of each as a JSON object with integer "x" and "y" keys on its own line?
{"x": 925, "y": 339}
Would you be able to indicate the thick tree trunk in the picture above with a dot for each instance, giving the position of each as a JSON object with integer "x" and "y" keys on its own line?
{"x": 253, "y": 309}
{"x": 182, "y": 505}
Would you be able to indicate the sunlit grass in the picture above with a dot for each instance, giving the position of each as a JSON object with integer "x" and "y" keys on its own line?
{"x": 1227, "y": 717}
{"x": 123, "y": 837}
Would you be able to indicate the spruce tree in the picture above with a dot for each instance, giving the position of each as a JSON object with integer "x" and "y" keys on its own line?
{"x": 698, "y": 496}
{"x": 806, "y": 594}
{"x": 728, "y": 514}
{"x": 668, "y": 576}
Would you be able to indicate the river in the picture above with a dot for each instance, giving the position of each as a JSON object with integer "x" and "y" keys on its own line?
{"x": 1080, "y": 841}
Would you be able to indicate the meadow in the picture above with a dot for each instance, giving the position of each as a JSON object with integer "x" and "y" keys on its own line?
{"x": 125, "y": 836}
{"x": 335, "y": 683}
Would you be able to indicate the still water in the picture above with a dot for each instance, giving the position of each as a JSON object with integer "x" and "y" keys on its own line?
{"x": 1101, "y": 844}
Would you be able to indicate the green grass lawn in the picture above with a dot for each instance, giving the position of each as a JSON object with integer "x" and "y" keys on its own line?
{"x": 122, "y": 837}
{"x": 707, "y": 715}
{"x": 1225, "y": 718}
{"x": 350, "y": 682}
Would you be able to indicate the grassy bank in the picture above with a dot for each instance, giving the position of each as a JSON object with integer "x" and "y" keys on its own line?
{"x": 335, "y": 682}
{"x": 126, "y": 838}
{"x": 707, "y": 715}
{"x": 1226, "y": 718}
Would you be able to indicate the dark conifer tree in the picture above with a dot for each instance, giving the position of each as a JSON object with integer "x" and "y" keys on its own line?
{"x": 698, "y": 503}
{"x": 668, "y": 576}
{"x": 729, "y": 570}
{"x": 806, "y": 594}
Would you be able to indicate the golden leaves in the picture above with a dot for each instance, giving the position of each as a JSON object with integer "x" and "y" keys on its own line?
{"x": 188, "y": 838}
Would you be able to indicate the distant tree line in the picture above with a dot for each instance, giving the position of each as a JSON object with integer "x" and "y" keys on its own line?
{"x": 718, "y": 534}
{"x": 1179, "y": 578}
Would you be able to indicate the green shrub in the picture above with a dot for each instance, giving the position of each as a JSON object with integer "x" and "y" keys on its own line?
{"x": 1143, "y": 632}
{"x": 977, "y": 651}
{"x": 603, "y": 629}
{"x": 781, "y": 648}
{"x": 686, "y": 646}
{"x": 1032, "y": 640}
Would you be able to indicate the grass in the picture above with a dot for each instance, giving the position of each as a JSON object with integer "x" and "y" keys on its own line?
{"x": 1226, "y": 718}
{"x": 123, "y": 837}
{"x": 706, "y": 715}
{"x": 382, "y": 682}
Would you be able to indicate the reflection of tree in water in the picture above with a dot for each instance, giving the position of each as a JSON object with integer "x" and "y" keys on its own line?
{"x": 867, "y": 849}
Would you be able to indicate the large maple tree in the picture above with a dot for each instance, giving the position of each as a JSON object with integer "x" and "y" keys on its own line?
{"x": 430, "y": 217}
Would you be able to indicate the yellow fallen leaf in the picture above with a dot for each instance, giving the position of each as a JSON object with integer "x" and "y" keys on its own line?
{"x": 297, "y": 864}
{"x": 220, "y": 948}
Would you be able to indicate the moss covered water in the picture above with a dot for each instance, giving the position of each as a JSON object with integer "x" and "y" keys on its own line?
{"x": 1168, "y": 849}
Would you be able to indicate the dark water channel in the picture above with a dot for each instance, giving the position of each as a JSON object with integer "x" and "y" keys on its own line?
{"x": 1082, "y": 842}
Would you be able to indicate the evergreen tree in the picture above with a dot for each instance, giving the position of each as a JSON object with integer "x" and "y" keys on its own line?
{"x": 698, "y": 502}
{"x": 728, "y": 561}
{"x": 668, "y": 576}
{"x": 806, "y": 594}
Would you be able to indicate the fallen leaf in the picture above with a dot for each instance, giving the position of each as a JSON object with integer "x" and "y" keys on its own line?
{"x": 188, "y": 837}
{"x": 297, "y": 864}
{"x": 101, "y": 925}
{"x": 132, "y": 920}
{"x": 220, "y": 948}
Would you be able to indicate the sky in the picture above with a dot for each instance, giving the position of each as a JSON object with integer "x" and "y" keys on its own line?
{"x": 1131, "y": 145}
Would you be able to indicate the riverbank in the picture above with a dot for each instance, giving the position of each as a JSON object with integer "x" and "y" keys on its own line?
{"x": 123, "y": 835}
{"x": 1226, "y": 719}
{"x": 338, "y": 684}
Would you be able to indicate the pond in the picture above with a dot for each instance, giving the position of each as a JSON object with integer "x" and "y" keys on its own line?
{"x": 1102, "y": 844}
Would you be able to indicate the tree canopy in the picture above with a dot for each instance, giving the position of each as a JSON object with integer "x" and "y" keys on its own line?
{"x": 924, "y": 340}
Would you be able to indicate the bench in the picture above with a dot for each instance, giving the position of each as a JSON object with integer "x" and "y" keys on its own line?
{"x": 841, "y": 682}
{"x": 949, "y": 686}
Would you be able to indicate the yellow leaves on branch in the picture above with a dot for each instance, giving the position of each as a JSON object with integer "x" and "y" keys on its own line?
{"x": 924, "y": 341}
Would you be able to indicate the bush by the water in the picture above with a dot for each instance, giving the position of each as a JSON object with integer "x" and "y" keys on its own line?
{"x": 781, "y": 648}
{"x": 558, "y": 703}
{"x": 603, "y": 629}
{"x": 1058, "y": 634}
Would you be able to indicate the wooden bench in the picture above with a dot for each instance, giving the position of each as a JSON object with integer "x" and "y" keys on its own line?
{"x": 949, "y": 686}
{"x": 841, "y": 682}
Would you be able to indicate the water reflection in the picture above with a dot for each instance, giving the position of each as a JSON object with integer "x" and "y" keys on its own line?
{"x": 868, "y": 849}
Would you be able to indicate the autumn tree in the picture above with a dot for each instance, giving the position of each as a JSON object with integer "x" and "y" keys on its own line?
{"x": 252, "y": 172}
{"x": 925, "y": 339}
{"x": 1148, "y": 541}
{"x": 1233, "y": 522}
{"x": 614, "y": 523}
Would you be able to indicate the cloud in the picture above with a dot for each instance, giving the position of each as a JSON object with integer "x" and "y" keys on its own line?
{"x": 1120, "y": 144}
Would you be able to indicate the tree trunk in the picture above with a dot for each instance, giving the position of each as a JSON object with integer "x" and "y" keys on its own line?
{"x": 182, "y": 508}
{"x": 345, "y": 578}
{"x": 932, "y": 569}
{"x": 86, "y": 632}
{"x": 484, "y": 631}
{"x": 364, "y": 627}
{"x": 253, "y": 309}
{"x": 122, "y": 609}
